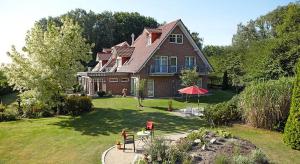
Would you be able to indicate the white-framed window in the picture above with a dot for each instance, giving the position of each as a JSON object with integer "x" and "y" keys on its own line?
{"x": 173, "y": 64}
{"x": 150, "y": 87}
{"x": 190, "y": 62}
{"x": 176, "y": 38}
{"x": 125, "y": 80}
{"x": 119, "y": 62}
{"x": 149, "y": 40}
{"x": 113, "y": 80}
{"x": 161, "y": 64}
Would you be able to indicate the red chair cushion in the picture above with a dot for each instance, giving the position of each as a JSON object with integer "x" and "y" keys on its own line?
{"x": 149, "y": 125}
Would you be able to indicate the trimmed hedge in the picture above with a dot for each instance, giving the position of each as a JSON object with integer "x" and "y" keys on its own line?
{"x": 292, "y": 129}
{"x": 223, "y": 113}
{"x": 76, "y": 105}
{"x": 101, "y": 93}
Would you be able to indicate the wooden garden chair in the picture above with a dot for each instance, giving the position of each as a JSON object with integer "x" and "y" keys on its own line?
{"x": 128, "y": 139}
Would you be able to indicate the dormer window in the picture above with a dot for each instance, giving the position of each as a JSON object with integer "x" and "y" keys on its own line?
{"x": 149, "y": 40}
{"x": 119, "y": 62}
{"x": 176, "y": 38}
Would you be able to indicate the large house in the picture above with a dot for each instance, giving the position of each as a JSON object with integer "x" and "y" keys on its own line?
{"x": 157, "y": 55}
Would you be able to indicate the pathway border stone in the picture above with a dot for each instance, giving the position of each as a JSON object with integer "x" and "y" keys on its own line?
{"x": 104, "y": 154}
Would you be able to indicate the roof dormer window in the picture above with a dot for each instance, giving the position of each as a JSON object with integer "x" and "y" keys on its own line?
{"x": 149, "y": 40}
{"x": 176, "y": 38}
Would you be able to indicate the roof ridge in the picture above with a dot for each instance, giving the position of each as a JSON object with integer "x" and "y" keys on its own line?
{"x": 177, "y": 20}
{"x": 142, "y": 52}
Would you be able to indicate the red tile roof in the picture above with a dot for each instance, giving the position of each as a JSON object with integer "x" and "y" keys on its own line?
{"x": 155, "y": 30}
{"x": 142, "y": 52}
{"x": 103, "y": 56}
{"x": 123, "y": 44}
{"x": 124, "y": 51}
{"x": 111, "y": 63}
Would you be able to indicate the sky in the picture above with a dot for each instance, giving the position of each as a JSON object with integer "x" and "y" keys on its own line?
{"x": 214, "y": 20}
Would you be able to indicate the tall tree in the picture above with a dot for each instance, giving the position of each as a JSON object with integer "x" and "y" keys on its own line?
{"x": 198, "y": 40}
{"x": 292, "y": 128}
{"x": 50, "y": 60}
{"x": 105, "y": 29}
{"x": 265, "y": 48}
{"x": 286, "y": 50}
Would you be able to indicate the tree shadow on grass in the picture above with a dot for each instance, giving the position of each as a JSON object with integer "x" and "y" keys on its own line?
{"x": 106, "y": 121}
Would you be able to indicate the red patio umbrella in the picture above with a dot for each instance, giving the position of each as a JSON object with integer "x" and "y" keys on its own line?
{"x": 193, "y": 90}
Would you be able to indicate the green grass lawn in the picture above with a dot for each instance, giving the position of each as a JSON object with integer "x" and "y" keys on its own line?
{"x": 269, "y": 141}
{"x": 83, "y": 139}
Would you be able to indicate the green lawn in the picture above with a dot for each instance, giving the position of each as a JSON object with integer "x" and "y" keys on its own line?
{"x": 83, "y": 139}
{"x": 269, "y": 141}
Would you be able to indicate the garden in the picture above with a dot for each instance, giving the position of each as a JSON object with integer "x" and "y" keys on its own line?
{"x": 83, "y": 138}
{"x": 251, "y": 114}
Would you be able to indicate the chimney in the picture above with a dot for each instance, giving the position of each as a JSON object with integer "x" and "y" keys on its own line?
{"x": 89, "y": 69}
{"x": 132, "y": 38}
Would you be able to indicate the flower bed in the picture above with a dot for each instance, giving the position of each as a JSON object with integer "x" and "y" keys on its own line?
{"x": 203, "y": 146}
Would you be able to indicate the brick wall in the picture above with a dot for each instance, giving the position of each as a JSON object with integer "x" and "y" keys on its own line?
{"x": 114, "y": 87}
{"x": 167, "y": 86}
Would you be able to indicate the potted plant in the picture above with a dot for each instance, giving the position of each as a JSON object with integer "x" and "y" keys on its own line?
{"x": 118, "y": 144}
{"x": 170, "y": 108}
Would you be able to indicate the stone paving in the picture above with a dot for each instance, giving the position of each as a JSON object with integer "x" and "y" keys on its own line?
{"x": 115, "y": 156}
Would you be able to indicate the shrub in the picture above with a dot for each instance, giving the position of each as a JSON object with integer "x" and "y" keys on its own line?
{"x": 2, "y": 107}
{"x": 258, "y": 157}
{"x": 240, "y": 159}
{"x": 265, "y": 104}
{"x": 184, "y": 145}
{"x": 221, "y": 159}
{"x": 109, "y": 94}
{"x": 255, "y": 157}
{"x": 31, "y": 107}
{"x": 223, "y": 113}
{"x": 197, "y": 134}
{"x": 8, "y": 114}
{"x": 187, "y": 160}
{"x": 173, "y": 155}
{"x": 77, "y": 88}
{"x": 160, "y": 151}
{"x": 178, "y": 153}
{"x": 157, "y": 149}
{"x": 223, "y": 133}
{"x": 76, "y": 105}
{"x": 292, "y": 129}
{"x": 101, "y": 93}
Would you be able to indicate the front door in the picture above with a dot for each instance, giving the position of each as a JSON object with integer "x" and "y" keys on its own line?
{"x": 150, "y": 88}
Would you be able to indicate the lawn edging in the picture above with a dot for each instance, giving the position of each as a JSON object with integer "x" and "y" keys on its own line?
{"x": 104, "y": 154}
